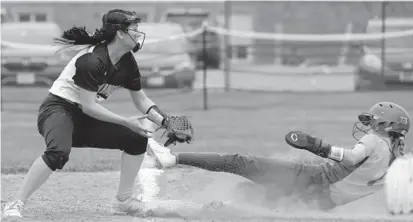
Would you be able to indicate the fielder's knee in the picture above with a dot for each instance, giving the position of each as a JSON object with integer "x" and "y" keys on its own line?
{"x": 56, "y": 159}
{"x": 134, "y": 144}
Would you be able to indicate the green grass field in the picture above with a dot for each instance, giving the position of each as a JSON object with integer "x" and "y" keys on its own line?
{"x": 245, "y": 122}
{"x": 242, "y": 122}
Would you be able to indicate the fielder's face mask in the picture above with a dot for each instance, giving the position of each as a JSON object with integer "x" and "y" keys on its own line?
{"x": 137, "y": 36}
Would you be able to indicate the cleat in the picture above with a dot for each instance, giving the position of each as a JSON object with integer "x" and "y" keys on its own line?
{"x": 13, "y": 209}
{"x": 131, "y": 206}
{"x": 163, "y": 156}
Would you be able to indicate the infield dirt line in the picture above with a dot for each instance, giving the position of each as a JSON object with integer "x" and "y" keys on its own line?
{"x": 66, "y": 195}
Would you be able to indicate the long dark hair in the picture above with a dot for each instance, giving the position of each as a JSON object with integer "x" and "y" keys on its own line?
{"x": 79, "y": 36}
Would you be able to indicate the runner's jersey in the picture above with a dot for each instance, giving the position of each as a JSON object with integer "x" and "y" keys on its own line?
{"x": 366, "y": 179}
{"x": 93, "y": 70}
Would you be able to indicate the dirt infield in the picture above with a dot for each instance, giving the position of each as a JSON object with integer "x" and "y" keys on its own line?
{"x": 234, "y": 199}
{"x": 243, "y": 122}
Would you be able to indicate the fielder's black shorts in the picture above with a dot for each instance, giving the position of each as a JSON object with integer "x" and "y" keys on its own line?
{"x": 63, "y": 125}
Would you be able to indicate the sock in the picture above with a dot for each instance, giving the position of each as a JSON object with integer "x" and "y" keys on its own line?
{"x": 38, "y": 173}
{"x": 130, "y": 165}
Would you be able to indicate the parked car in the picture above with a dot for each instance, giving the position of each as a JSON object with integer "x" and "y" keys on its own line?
{"x": 398, "y": 56}
{"x": 28, "y": 55}
{"x": 165, "y": 62}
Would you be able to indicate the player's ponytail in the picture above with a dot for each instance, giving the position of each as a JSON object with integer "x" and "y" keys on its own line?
{"x": 112, "y": 22}
{"x": 79, "y": 36}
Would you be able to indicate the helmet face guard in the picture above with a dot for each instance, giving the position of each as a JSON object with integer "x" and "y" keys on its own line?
{"x": 363, "y": 126}
{"x": 138, "y": 45}
{"x": 365, "y": 118}
{"x": 123, "y": 26}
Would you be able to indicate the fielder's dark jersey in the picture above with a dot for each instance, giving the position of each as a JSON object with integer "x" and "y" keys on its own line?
{"x": 92, "y": 69}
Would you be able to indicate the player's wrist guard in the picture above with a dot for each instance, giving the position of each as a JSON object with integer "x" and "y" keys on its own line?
{"x": 157, "y": 116}
{"x": 336, "y": 153}
{"x": 319, "y": 148}
{"x": 326, "y": 150}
